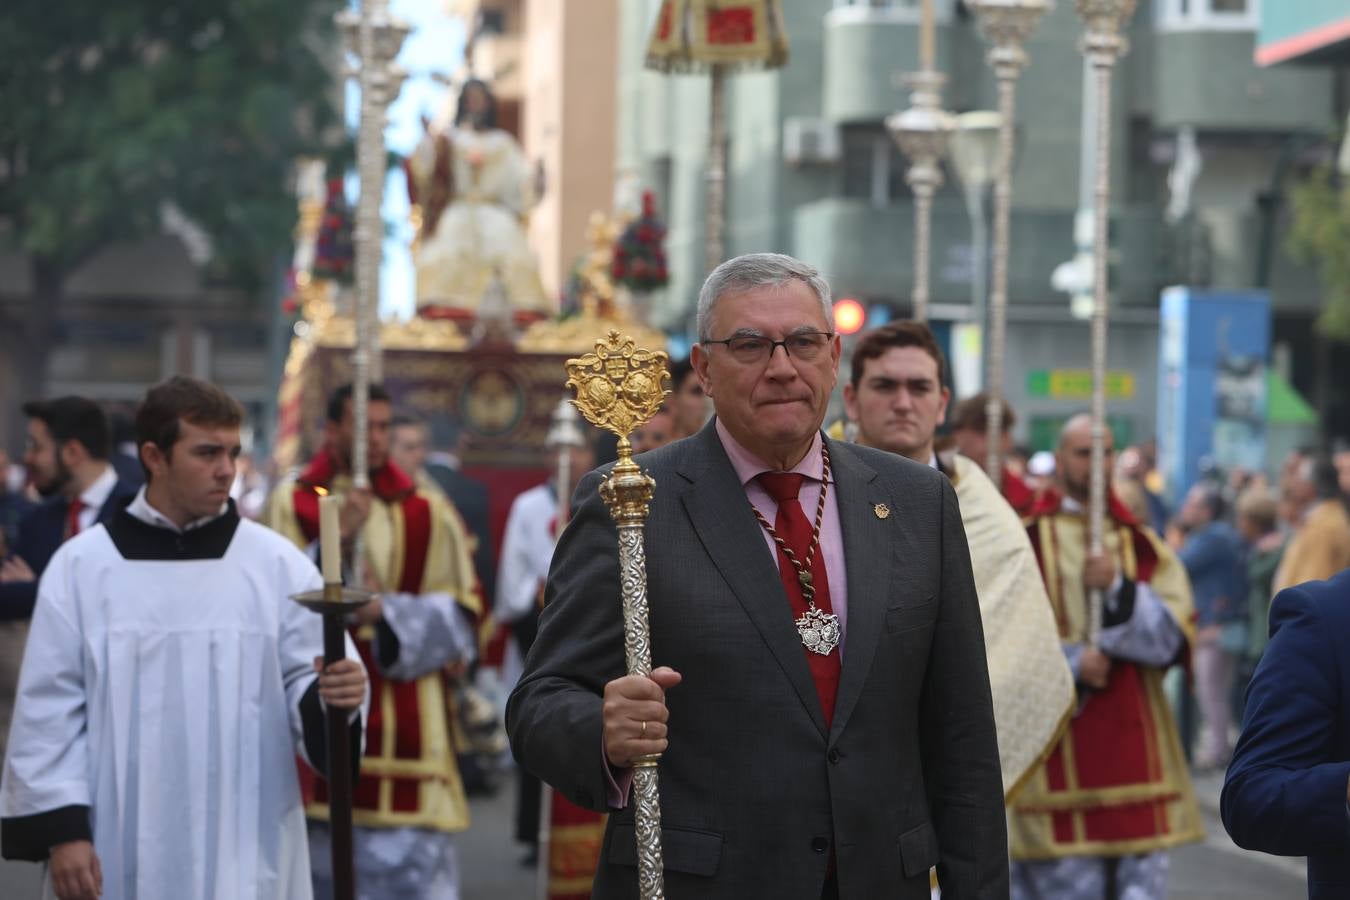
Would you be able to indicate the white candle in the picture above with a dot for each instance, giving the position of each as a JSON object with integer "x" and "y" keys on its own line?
{"x": 330, "y": 540}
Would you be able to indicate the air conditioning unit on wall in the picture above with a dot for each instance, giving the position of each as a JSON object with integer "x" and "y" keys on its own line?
{"x": 810, "y": 141}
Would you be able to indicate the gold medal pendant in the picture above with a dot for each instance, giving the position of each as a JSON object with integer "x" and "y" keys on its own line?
{"x": 819, "y": 631}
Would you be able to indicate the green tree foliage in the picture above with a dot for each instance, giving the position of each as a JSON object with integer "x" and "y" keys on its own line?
{"x": 107, "y": 110}
{"x": 1321, "y": 236}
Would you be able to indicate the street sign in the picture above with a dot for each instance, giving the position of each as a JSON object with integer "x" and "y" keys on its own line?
{"x": 1076, "y": 384}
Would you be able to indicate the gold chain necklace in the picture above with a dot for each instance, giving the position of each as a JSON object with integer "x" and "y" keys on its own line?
{"x": 819, "y": 630}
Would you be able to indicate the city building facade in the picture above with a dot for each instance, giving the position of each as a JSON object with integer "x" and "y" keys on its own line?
{"x": 813, "y": 172}
{"x": 132, "y": 315}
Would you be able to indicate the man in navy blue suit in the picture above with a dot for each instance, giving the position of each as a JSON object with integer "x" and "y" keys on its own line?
{"x": 67, "y": 460}
{"x": 1288, "y": 786}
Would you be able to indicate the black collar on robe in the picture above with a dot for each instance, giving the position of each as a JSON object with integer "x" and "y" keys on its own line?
{"x": 139, "y": 540}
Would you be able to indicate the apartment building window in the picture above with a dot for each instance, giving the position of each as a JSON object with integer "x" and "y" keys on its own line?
{"x": 878, "y": 4}
{"x": 1208, "y": 15}
{"x": 872, "y": 165}
{"x": 129, "y": 332}
{"x": 940, "y": 6}
{"x": 491, "y": 21}
{"x": 888, "y": 10}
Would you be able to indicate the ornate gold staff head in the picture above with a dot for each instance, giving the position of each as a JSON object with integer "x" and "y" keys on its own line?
{"x": 619, "y": 388}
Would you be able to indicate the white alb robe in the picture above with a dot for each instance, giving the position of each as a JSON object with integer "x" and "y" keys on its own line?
{"x": 527, "y": 551}
{"x": 164, "y": 694}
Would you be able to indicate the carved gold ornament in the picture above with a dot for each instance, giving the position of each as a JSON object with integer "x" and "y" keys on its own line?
{"x": 619, "y": 386}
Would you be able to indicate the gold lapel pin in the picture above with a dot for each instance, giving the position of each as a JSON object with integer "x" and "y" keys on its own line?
{"x": 882, "y": 510}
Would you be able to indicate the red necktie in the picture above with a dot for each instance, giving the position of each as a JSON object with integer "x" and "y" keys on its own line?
{"x": 73, "y": 517}
{"x": 792, "y": 526}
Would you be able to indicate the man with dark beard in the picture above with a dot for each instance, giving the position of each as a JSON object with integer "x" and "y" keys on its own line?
{"x": 67, "y": 459}
{"x": 415, "y": 637}
{"x": 1098, "y": 817}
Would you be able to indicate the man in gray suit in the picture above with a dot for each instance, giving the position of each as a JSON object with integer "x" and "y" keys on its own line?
{"x": 822, "y": 700}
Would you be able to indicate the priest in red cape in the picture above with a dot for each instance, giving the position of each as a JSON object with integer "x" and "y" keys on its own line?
{"x": 414, "y": 638}
{"x": 1114, "y": 794}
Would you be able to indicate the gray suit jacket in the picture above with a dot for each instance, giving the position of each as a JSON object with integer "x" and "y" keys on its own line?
{"x": 753, "y": 787}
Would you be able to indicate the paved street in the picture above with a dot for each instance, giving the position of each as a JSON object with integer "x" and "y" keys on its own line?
{"x": 1214, "y": 870}
{"x": 19, "y": 881}
{"x": 489, "y": 853}
{"x": 490, "y": 857}
{"x": 1218, "y": 870}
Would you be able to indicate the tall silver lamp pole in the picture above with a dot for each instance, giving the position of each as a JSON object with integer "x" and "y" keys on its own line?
{"x": 373, "y": 38}
{"x": 1103, "y": 44}
{"x": 714, "y": 247}
{"x": 974, "y": 155}
{"x": 922, "y": 132}
{"x": 1006, "y": 25}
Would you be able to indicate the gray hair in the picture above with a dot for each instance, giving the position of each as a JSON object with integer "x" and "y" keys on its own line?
{"x": 756, "y": 270}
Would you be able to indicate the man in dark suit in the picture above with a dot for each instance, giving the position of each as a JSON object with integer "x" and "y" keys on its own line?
{"x": 409, "y": 449}
{"x": 14, "y": 502}
{"x": 469, "y": 496}
{"x": 67, "y": 461}
{"x": 1288, "y": 785}
{"x": 843, "y": 760}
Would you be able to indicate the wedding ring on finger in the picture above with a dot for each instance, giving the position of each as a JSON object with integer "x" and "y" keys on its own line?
{"x": 643, "y": 732}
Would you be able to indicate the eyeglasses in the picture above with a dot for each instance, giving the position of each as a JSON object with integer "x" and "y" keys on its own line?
{"x": 750, "y": 350}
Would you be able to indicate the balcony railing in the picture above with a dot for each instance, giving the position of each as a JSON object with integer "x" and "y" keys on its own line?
{"x": 907, "y": 11}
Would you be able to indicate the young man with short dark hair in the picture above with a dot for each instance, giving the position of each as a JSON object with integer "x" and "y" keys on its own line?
{"x": 169, "y": 683}
{"x": 897, "y": 398}
{"x": 970, "y": 430}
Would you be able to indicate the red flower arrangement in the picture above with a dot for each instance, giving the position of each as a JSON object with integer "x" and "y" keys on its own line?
{"x": 334, "y": 251}
{"x": 290, "y": 303}
{"x": 639, "y": 255}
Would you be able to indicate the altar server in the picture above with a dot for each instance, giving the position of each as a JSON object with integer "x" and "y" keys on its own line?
{"x": 168, "y": 684}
